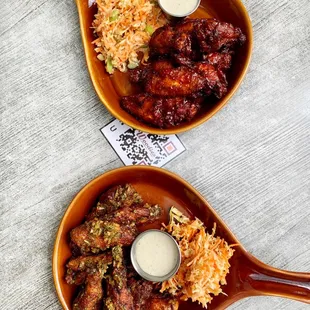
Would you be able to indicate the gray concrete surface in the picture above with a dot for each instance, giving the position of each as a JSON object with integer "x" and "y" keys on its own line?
{"x": 251, "y": 161}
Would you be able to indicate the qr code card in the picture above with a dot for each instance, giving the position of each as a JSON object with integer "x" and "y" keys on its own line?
{"x": 138, "y": 148}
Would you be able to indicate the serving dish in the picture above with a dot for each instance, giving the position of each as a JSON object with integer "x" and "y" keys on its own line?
{"x": 248, "y": 276}
{"x": 110, "y": 88}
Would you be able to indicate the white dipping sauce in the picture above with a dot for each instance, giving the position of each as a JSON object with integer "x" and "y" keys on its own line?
{"x": 178, "y": 7}
{"x": 156, "y": 253}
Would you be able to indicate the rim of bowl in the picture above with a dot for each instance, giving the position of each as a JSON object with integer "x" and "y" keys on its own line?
{"x": 186, "y": 126}
{"x": 186, "y": 184}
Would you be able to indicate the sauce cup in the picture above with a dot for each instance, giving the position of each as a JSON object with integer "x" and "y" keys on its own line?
{"x": 153, "y": 255}
{"x": 178, "y": 9}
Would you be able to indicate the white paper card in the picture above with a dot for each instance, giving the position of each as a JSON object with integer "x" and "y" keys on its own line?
{"x": 138, "y": 148}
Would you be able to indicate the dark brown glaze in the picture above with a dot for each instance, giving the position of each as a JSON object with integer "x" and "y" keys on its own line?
{"x": 220, "y": 61}
{"x": 215, "y": 80}
{"x": 162, "y": 79}
{"x": 162, "y": 112}
{"x": 175, "y": 82}
{"x": 189, "y": 57}
{"x": 194, "y": 37}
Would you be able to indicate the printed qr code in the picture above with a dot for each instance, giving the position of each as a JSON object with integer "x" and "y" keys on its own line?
{"x": 138, "y": 148}
{"x": 135, "y": 145}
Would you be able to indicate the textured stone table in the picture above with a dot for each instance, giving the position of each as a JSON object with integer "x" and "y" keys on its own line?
{"x": 251, "y": 161}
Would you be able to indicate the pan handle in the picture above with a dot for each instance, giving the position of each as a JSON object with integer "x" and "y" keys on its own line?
{"x": 261, "y": 279}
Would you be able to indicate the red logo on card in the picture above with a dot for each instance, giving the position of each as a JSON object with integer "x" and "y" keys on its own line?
{"x": 169, "y": 148}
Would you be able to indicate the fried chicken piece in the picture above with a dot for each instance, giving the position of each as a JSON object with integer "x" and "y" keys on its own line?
{"x": 162, "y": 41}
{"x": 119, "y": 296}
{"x": 161, "y": 112}
{"x": 193, "y": 37}
{"x": 157, "y": 302}
{"x": 139, "y": 74}
{"x": 138, "y": 215}
{"x": 97, "y": 235}
{"x": 141, "y": 291}
{"x": 142, "y": 73}
{"x": 221, "y": 61}
{"x": 90, "y": 297}
{"x": 115, "y": 198}
{"x": 78, "y": 268}
{"x": 215, "y": 80}
{"x": 168, "y": 40}
{"x": 162, "y": 79}
{"x": 123, "y": 205}
{"x": 181, "y": 81}
{"x": 88, "y": 270}
{"x": 224, "y": 38}
{"x": 146, "y": 297}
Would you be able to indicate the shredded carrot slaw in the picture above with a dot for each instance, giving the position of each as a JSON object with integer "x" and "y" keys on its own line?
{"x": 204, "y": 263}
{"x": 124, "y": 28}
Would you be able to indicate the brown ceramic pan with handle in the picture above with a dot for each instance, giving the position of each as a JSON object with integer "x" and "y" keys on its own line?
{"x": 248, "y": 276}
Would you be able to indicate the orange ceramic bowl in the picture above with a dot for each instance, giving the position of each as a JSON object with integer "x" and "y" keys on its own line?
{"x": 247, "y": 275}
{"x": 111, "y": 88}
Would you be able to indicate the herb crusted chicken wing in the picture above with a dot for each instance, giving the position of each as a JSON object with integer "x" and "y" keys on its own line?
{"x": 119, "y": 296}
{"x": 113, "y": 221}
{"x": 105, "y": 277}
{"x": 97, "y": 235}
{"x": 79, "y": 268}
{"x": 89, "y": 272}
{"x": 117, "y": 197}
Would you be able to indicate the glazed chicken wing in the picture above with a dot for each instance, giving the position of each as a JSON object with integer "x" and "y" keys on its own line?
{"x": 188, "y": 60}
{"x": 178, "y": 39}
{"x": 142, "y": 73}
{"x": 224, "y": 37}
{"x": 193, "y": 37}
{"x": 214, "y": 79}
{"x": 220, "y": 61}
{"x": 97, "y": 235}
{"x": 181, "y": 81}
{"x": 159, "y": 111}
{"x": 163, "y": 80}
{"x": 119, "y": 296}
